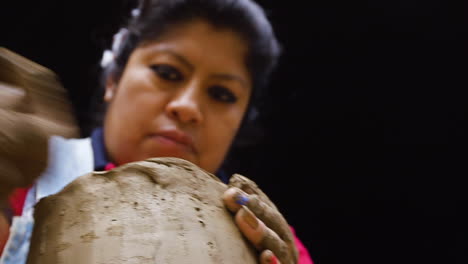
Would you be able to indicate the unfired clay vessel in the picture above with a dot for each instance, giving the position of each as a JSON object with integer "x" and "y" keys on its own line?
{"x": 162, "y": 210}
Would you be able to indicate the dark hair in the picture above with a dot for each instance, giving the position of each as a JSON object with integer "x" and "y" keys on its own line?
{"x": 244, "y": 17}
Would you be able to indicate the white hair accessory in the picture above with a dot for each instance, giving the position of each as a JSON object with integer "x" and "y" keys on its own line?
{"x": 136, "y": 12}
{"x": 109, "y": 55}
{"x": 117, "y": 41}
{"x": 107, "y": 58}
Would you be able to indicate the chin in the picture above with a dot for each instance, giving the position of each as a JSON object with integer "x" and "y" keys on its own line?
{"x": 172, "y": 154}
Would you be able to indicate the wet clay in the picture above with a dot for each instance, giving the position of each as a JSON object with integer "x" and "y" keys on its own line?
{"x": 36, "y": 92}
{"x": 161, "y": 210}
{"x": 33, "y": 106}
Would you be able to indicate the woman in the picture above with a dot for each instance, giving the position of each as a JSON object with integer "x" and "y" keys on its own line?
{"x": 180, "y": 81}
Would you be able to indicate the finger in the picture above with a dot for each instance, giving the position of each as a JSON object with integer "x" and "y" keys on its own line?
{"x": 250, "y": 195}
{"x": 244, "y": 191}
{"x": 250, "y": 187}
{"x": 270, "y": 217}
{"x": 12, "y": 97}
{"x": 261, "y": 236}
{"x": 267, "y": 257}
{"x": 279, "y": 248}
{"x": 234, "y": 198}
{"x": 252, "y": 228}
{"x": 278, "y": 232}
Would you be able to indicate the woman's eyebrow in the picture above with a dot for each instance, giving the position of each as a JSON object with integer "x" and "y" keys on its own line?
{"x": 222, "y": 76}
{"x": 231, "y": 77}
{"x": 176, "y": 56}
{"x": 179, "y": 57}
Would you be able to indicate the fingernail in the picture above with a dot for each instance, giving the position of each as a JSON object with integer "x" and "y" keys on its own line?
{"x": 241, "y": 198}
{"x": 249, "y": 217}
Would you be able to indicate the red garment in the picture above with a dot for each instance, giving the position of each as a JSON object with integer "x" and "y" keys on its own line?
{"x": 109, "y": 166}
{"x": 17, "y": 199}
{"x": 304, "y": 256}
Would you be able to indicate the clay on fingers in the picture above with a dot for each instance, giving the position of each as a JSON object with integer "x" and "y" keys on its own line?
{"x": 271, "y": 217}
{"x": 33, "y": 106}
{"x": 250, "y": 187}
{"x": 259, "y": 203}
{"x": 280, "y": 248}
{"x": 23, "y": 151}
{"x": 274, "y": 220}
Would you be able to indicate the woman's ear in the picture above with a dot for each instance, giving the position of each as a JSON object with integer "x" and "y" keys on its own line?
{"x": 110, "y": 90}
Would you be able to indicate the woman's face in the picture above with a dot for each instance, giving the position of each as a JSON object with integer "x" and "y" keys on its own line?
{"x": 183, "y": 96}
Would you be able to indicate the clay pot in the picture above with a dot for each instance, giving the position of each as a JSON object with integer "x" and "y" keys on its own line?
{"x": 162, "y": 210}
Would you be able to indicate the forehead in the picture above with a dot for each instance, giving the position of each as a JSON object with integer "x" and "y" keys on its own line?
{"x": 203, "y": 45}
{"x": 195, "y": 33}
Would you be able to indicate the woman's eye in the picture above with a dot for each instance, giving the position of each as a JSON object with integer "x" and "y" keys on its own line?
{"x": 222, "y": 94}
{"x": 167, "y": 72}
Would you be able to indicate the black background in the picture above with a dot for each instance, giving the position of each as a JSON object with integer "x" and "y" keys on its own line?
{"x": 364, "y": 146}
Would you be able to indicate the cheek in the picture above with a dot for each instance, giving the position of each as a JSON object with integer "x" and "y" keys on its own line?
{"x": 129, "y": 119}
{"x": 220, "y": 132}
{"x": 223, "y": 136}
{"x": 217, "y": 143}
{"x": 139, "y": 104}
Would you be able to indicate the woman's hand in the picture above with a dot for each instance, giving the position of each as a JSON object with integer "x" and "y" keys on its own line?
{"x": 260, "y": 221}
{"x": 33, "y": 106}
{"x": 23, "y": 152}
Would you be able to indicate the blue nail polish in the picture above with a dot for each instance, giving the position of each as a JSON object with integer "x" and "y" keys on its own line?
{"x": 242, "y": 199}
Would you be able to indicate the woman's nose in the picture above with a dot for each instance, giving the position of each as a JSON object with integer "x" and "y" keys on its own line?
{"x": 185, "y": 106}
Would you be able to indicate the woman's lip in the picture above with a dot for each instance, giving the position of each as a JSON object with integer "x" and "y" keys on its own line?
{"x": 169, "y": 140}
{"x": 172, "y": 147}
{"x": 177, "y": 137}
